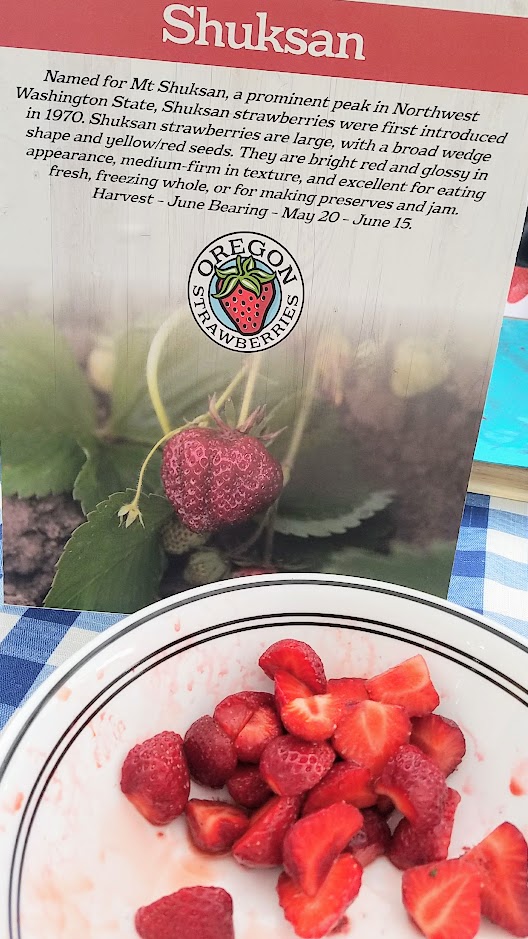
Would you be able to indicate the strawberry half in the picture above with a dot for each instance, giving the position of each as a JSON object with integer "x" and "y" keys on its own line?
{"x": 155, "y": 778}
{"x": 372, "y": 840}
{"x": 291, "y": 766}
{"x": 344, "y": 782}
{"x": 416, "y": 786}
{"x": 210, "y": 753}
{"x": 440, "y": 739}
{"x": 502, "y": 865}
{"x": 233, "y": 712}
{"x": 263, "y": 725}
{"x": 261, "y": 844}
{"x": 214, "y": 826}
{"x": 297, "y": 658}
{"x": 412, "y": 846}
{"x": 245, "y": 293}
{"x": 200, "y": 912}
{"x": 443, "y": 899}
{"x": 408, "y": 685}
{"x": 313, "y": 843}
{"x": 314, "y": 917}
{"x": 288, "y": 688}
{"x": 370, "y": 732}
{"x": 347, "y": 691}
{"x": 247, "y": 787}
{"x": 314, "y": 718}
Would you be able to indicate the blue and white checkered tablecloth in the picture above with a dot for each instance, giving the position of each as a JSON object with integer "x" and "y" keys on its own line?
{"x": 490, "y": 576}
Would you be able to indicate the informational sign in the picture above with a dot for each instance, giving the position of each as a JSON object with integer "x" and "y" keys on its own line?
{"x": 283, "y": 226}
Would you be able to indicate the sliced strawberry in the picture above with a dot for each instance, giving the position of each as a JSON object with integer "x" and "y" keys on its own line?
{"x": 416, "y": 786}
{"x": 297, "y": 658}
{"x": 314, "y": 917}
{"x": 408, "y": 685}
{"x": 372, "y": 840}
{"x": 261, "y": 845}
{"x": 233, "y": 713}
{"x": 291, "y": 766}
{"x": 443, "y": 899}
{"x": 345, "y": 782}
{"x": 247, "y": 787}
{"x": 440, "y": 739}
{"x": 413, "y": 846}
{"x": 215, "y": 826}
{"x": 313, "y": 843}
{"x": 347, "y": 690}
{"x": 210, "y": 753}
{"x": 519, "y": 285}
{"x": 502, "y": 863}
{"x": 287, "y": 688}
{"x": 370, "y": 732}
{"x": 314, "y": 718}
{"x": 197, "y": 912}
{"x": 155, "y": 778}
{"x": 263, "y": 725}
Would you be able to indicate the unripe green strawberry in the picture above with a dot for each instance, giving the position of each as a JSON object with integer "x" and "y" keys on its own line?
{"x": 177, "y": 539}
{"x": 204, "y": 567}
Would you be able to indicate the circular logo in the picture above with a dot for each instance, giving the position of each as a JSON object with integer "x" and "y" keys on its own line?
{"x": 246, "y": 292}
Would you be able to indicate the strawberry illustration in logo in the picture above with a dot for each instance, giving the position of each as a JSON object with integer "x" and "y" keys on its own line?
{"x": 245, "y": 293}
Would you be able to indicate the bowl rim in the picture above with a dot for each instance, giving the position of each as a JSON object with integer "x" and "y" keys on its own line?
{"x": 14, "y": 731}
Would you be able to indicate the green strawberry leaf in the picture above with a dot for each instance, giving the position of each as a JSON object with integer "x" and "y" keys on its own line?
{"x": 228, "y": 284}
{"x": 250, "y": 283}
{"x": 113, "y": 467}
{"x": 239, "y": 267}
{"x": 327, "y": 493}
{"x": 105, "y": 567}
{"x": 262, "y": 277}
{"x": 333, "y": 525}
{"x": 426, "y": 569}
{"x": 249, "y": 264}
{"x": 47, "y": 410}
{"x": 39, "y": 464}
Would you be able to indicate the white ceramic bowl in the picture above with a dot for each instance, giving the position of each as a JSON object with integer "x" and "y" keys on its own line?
{"x": 76, "y": 860}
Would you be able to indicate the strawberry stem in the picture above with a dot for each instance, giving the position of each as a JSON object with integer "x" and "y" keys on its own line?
{"x": 250, "y": 388}
{"x": 153, "y": 359}
{"x": 131, "y": 511}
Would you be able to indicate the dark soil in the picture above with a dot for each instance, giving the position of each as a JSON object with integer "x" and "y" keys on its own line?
{"x": 35, "y": 532}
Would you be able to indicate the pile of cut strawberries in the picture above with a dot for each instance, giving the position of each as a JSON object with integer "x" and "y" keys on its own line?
{"x": 325, "y": 776}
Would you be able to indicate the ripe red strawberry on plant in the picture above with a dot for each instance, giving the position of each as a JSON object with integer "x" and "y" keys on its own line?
{"x": 443, "y": 899}
{"x": 501, "y": 861}
{"x": 214, "y": 826}
{"x": 155, "y": 778}
{"x": 315, "y": 917}
{"x": 408, "y": 685}
{"x": 416, "y": 786}
{"x": 197, "y": 912}
{"x": 291, "y": 766}
{"x": 261, "y": 845}
{"x": 370, "y": 732}
{"x": 218, "y": 476}
{"x": 314, "y": 842}
{"x": 411, "y": 846}
{"x": 245, "y": 293}
{"x": 210, "y": 753}
{"x": 440, "y": 739}
{"x": 297, "y": 658}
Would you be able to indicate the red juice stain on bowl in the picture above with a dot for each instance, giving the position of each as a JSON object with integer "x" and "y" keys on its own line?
{"x": 519, "y": 779}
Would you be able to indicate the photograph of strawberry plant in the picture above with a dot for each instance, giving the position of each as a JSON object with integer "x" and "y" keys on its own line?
{"x": 136, "y": 465}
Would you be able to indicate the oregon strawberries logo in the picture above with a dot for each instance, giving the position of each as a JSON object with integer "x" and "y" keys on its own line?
{"x": 246, "y": 291}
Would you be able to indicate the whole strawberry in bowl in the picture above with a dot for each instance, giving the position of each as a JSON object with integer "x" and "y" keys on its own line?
{"x": 246, "y": 293}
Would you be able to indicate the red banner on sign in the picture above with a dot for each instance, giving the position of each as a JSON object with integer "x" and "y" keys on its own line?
{"x": 334, "y": 37}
